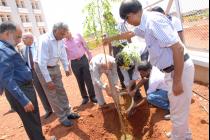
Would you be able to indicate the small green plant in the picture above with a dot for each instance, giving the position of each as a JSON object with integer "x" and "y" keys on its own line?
{"x": 99, "y": 20}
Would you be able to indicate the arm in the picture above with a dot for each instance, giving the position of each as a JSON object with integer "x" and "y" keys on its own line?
{"x": 181, "y": 35}
{"x": 7, "y": 81}
{"x": 64, "y": 59}
{"x": 43, "y": 56}
{"x": 178, "y": 56}
{"x": 122, "y": 36}
{"x": 84, "y": 44}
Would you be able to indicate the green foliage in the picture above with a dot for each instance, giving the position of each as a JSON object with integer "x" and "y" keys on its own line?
{"x": 130, "y": 54}
{"x": 99, "y": 19}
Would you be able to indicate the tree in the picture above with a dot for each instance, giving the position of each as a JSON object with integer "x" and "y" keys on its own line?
{"x": 99, "y": 19}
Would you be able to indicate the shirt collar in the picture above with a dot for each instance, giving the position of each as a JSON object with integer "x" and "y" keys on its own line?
{"x": 52, "y": 37}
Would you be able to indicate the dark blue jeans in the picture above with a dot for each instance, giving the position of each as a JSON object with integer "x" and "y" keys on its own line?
{"x": 159, "y": 98}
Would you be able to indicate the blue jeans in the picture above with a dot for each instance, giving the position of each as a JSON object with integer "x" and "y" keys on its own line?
{"x": 159, "y": 98}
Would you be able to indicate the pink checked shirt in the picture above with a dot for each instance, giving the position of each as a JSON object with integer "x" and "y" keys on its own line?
{"x": 76, "y": 47}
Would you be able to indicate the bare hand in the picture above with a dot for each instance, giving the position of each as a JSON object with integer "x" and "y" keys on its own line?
{"x": 29, "y": 107}
{"x": 132, "y": 93}
{"x": 117, "y": 88}
{"x": 50, "y": 85}
{"x": 177, "y": 88}
{"x": 68, "y": 73}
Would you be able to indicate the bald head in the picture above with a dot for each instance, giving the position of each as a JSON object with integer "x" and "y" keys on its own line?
{"x": 28, "y": 39}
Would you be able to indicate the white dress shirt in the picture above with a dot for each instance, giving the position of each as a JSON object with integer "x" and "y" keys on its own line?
{"x": 49, "y": 52}
{"x": 96, "y": 69}
{"x": 157, "y": 80}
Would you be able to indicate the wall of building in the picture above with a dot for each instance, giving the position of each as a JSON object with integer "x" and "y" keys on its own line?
{"x": 26, "y": 13}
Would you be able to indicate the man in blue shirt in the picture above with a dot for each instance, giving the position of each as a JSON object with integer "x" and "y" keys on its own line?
{"x": 16, "y": 79}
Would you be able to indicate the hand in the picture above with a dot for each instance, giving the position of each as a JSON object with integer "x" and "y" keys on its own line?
{"x": 132, "y": 93}
{"x": 50, "y": 85}
{"x": 29, "y": 107}
{"x": 177, "y": 87}
{"x": 127, "y": 35}
{"x": 117, "y": 88}
{"x": 107, "y": 89}
{"x": 68, "y": 73}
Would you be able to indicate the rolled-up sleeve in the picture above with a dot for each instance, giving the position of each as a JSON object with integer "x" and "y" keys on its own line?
{"x": 163, "y": 30}
{"x": 7, "y": 81}
{"x": 43, "y": 56}
{"x": 64, "y": 58}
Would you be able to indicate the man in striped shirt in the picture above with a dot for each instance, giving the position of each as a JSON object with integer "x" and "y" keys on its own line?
{"x": 167, "y": 53}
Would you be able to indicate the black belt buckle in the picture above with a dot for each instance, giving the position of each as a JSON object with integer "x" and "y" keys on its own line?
{"x": 171, "y": 68}
{"x": 50, "y": 67}
{"x": 168, "y": 69}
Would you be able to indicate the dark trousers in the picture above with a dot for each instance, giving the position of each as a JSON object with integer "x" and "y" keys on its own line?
{"x": 31, "y": 120}
{"x": 41, "y": 92}
{"x": 80, "y": 68}
{"x": 116, "y": 50}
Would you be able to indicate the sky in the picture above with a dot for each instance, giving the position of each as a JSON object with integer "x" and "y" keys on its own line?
{"x": 70, "y": 11}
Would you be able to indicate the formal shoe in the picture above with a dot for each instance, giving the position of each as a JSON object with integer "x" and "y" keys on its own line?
{"x": 73, "y": 116}
{"x": 93, "y": 100}
{"x": 67, "y": 123}
{"x": 85, "y": 101}
{"x": 48, "y": 114}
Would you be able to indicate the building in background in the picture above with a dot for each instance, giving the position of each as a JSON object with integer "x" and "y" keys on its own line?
{"x": 27, "y": 13}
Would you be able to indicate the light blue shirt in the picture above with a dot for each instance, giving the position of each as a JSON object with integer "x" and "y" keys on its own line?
{"x": 159, "y": 35}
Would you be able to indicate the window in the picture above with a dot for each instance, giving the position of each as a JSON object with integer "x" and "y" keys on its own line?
{"x": 5, "y": 17}
{"x": 24, "y": 18}
{"x": 3, "y": 3}
{"x": 8, "y": 17}
{"x": 42, "y": 30}
{"x": 20, "y": 4}
{"x": 37, "y": 5}
{"x": 27, "y": 19}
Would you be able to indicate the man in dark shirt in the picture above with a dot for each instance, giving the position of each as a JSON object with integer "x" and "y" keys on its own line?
{"x": 16, "y": 79}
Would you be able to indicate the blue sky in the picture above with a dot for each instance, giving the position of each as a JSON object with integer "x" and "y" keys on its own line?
{"x": 70, "y": 11}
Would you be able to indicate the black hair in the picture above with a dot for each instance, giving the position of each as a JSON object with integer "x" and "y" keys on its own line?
{"x": 129, "y": 6}
{"x": 144, "y": 66}
{"x": 7, "y": 26}
{"x": 158, "y": 9}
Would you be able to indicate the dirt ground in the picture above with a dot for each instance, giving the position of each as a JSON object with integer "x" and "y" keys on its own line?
{"x": 97, "y": 124}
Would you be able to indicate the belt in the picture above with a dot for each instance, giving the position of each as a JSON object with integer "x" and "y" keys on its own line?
{"x": 50, "y": 67}
{"x": 171, "y": 68}
{"x": 78, "y": 59}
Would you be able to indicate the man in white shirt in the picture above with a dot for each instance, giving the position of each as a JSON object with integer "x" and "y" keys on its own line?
{"x": 157, "y": 93}
{"x": 100, "y": 64}
{"x": 176, "y": 22}
{"x": 50, "y": 51}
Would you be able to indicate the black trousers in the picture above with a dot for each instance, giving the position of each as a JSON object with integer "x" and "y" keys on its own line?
{"x": 116, "y": 50}
{"x": 41, "y": 92}
{"x": 31, "y": 120}
{"x": 80, "y": 68}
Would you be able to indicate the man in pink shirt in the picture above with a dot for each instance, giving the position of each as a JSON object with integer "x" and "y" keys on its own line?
{"x": 76, "y": 52}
